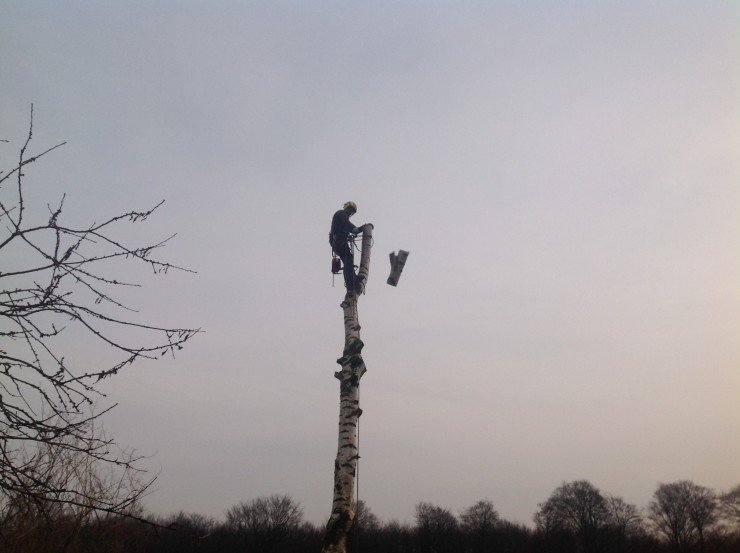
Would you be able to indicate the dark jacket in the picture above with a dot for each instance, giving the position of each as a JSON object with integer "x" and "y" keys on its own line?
{"x": 341, "y": 227}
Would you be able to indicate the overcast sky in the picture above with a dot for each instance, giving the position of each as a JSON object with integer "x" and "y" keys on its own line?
{"x": 565, "y": 176}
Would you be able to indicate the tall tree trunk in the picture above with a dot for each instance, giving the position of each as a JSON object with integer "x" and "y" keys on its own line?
{"x": 353, "y": 367}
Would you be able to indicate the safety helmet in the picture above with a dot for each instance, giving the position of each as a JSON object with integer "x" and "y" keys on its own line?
{"x": 350, "y": 205}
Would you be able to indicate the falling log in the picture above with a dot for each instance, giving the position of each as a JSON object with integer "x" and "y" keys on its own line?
{"x": 397, "y": 264}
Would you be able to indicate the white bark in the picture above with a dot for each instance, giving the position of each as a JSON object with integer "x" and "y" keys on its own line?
{"x": 353, "y": 367}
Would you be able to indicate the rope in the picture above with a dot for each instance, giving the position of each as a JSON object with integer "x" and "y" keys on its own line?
{"x": 356, "y": 237}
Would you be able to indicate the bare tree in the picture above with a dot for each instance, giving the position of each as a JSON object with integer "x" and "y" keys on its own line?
{"x": 56, "y": 285}
{"x": 682, "y": 512}
{"x": 365, "y": 519}
{"x": 576, "y": 507}
{"x": 265, "y": 522}
{"x": 702, "y": 510}
{"x": 353, "y": 368}
{"x": 52, "y": 521}
{"x": 183, "y": 532}
{"x": 479, "y": 522}
{"x": 365, "y": 530}
{"x": 436, "y": 528}
{"x": 624, "y": 520}
{"x": 729, "y": 506}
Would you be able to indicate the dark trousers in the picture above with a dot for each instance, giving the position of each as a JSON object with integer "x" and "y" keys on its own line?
{"x": 345, "y": 253}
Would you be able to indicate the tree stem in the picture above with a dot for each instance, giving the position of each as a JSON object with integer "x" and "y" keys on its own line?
{"x": 353, "y": 368}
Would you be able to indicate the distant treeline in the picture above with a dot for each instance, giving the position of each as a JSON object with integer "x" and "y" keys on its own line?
{"x": 577, "y": 517}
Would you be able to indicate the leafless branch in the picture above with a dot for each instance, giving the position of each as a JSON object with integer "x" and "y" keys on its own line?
{"x": 54, "y": 280}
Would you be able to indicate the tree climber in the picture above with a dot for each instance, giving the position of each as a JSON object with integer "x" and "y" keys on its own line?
{"x": 340, "y": 236}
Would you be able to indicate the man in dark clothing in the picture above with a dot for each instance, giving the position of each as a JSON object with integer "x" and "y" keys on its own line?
{"x": 339, "y": 237}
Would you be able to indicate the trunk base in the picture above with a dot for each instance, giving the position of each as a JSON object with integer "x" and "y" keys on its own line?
{"x": 337, "y": 530}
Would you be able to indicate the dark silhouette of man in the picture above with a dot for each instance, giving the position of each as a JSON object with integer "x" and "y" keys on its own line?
{"x": 339, "y": 238}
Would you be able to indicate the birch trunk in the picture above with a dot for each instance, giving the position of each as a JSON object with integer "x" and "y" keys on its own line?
{"x": 353, "y": 367}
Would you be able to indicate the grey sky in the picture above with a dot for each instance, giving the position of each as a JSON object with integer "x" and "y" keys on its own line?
{"x": 565, "y": 176}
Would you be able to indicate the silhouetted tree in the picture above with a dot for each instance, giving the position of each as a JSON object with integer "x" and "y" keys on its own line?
{"x": 729, "y": 507}
{"x": 62, "y": 522}
{"x": 184, "y": 532}
{"x": 556, "y": 535}
{"x": 267, "y": 522}
{"x": 624, "y": 521}
{"x": 682, "y": 511}
{"x": 364, "y": 534}
{"x": 56, "y": 284}
{"x": 576, "y": 507}
{"x": 478, "y": 523}
{"x": 436, "y": 529}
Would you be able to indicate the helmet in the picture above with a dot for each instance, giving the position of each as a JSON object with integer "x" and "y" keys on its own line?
{"x": 350, "y": 205}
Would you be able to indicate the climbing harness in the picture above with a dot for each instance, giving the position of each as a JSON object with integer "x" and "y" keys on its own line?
{"x": 336, "y": 262}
